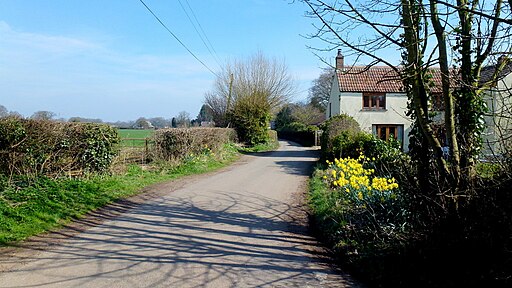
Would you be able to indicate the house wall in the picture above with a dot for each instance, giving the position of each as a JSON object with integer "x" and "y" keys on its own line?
{"x": 396, "y": 106}
{"x": 333, "y": 107}
{"x": 498, "y": 132}
{"x": 352, "y": 104}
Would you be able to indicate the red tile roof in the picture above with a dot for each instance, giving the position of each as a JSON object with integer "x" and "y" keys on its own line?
{"x": 376, "y": 79}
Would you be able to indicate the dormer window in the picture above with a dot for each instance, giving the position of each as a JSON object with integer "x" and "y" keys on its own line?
{"x": 374, "y": 101}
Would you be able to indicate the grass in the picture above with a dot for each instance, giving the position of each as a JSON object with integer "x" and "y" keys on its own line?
{"x": 135, "y": 133}
{"x": 30, "y": 207}
{"x": 263, "y": 147}
{"x": 134, "y": 137}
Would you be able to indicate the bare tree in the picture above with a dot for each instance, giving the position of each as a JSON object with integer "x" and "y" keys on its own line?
{"x": 257, "y": 77}
{"x": 3, "y": 111}
{"x": 43, "y": 115}
{"x": 320, "y": 91}
{"x": 183, "y": 119}
{"x": 252, "y": 88}
{"x": 458, "y": 39}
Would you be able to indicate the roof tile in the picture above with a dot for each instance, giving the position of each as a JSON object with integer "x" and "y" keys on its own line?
{"x": 376, "y": 79}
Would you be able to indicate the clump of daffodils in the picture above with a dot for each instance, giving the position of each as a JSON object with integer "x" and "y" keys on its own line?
{"x": 350, "y": 176}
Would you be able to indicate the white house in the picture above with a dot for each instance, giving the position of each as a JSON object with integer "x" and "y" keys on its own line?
{"x": 375, "y": 97}
{"x": 499, "y": 102}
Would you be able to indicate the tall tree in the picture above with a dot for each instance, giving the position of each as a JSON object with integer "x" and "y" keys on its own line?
{"x": 183, "y": 119}
{"x": 247, "y": 91}
{"x": 205, "y": 114}
{"x": 320, "y": 91}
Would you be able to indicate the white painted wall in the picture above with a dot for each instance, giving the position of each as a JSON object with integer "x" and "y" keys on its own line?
{"x": 498, "y": 122}
{"x": 396, "y": 106}
{"x": 352, "y": 104}
{"x": 333, "y": 107}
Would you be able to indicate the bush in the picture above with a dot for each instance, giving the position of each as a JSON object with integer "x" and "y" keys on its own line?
{"x": 41, "y": 147}
{"x": 251, "y": 121}
{"x": 337, "y": 130}
{"x": 272, "y": 136}
{"x": 178, "y": 143}
{"x": 361, "y": 216}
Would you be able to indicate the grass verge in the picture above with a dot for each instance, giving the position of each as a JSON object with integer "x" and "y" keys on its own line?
{"x": 262, "y": 147}
{"x": 30, "y": 207}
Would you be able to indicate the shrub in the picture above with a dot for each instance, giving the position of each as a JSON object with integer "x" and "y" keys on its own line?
{"x": 251, "y": 120}
{"x": 272, "y": 136}
{"x": 40, "y": 147}
{"x": 364, "y": 205}
{"x": 363, "y": 217}
{"x": 337, "y": 130}
{"x": 178, "y": 143}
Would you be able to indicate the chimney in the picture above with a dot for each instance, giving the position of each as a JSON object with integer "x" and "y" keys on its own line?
{"x": 339, "y": 60}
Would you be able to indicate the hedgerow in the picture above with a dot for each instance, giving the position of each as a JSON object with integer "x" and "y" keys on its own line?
{"x": 40, "y": 147}
{"x": 176, "y": 144}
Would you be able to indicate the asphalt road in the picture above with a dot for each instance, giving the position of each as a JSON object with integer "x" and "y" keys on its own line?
{"x": 240, "y": 227}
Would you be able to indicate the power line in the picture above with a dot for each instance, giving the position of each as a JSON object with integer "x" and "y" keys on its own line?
{"x": 201, "y": 28}
{"x": 176, "y": 37}
{"x": 197, "y": 31}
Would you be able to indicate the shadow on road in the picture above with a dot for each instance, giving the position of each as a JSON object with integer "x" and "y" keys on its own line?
{"x": 207, "y": 238}
{"x": 184, "y": 242}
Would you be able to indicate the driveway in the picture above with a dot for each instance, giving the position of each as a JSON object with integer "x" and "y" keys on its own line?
{"x": 243, "y": 226}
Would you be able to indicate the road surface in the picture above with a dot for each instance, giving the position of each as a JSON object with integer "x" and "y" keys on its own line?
{"x": 240, "y": 227}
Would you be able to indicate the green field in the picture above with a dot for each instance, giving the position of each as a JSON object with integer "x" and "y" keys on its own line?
{"x": 134, "y": 137}
{"x": 135, "y": 133}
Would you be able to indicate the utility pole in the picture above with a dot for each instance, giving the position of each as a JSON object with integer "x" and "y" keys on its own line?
{"x": 229, "y": 95}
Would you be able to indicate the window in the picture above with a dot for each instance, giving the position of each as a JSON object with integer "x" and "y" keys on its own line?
{"x": 374, "y": 101}
{"x": 437, "y": 101}
{"x": 387, "y": 131}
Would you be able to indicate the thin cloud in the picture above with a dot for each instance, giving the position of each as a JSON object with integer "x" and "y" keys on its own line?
{"x": 72, "y": 76}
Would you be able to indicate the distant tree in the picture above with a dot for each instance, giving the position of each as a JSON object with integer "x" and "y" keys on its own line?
{"x": 3, "y": 111}
{"x": 85, "y": 120}
{"x": 205, "y": 114}
{"x": 183, "y": 119}
{"x": 159, "y": 122}
{"x": 174, "y": 124}
{"x": 247, "y": 92}
{"x": 285, "y": 116}
{"x": 124, "y": 124}
{"x": 320, "y": 92}
{"x": 308, "y": 114}
{"x": 195, "y": 123}
{"x": 142, "y": 123}
{"x": 15, "y": 114}
{"x": 43, "y": 115}
{"x": 303, "y": 113}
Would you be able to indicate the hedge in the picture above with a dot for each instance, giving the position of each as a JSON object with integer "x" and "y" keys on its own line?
{"x": 178, "y": 143}
{"x": 40, "y": 147}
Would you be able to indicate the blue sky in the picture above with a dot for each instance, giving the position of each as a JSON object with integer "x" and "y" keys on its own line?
{"x": 112, "y": 60}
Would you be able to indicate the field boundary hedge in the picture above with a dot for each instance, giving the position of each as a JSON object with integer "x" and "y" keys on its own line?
{"x": 178, "y": 143}
{"x": 40, "y": 147}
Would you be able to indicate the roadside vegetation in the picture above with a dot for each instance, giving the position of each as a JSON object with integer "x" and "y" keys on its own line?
{"x": 366, "y": 206}
{"x": 54, "y": 172}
